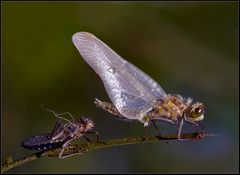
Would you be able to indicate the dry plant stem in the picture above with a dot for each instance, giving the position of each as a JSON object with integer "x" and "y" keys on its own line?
{"x": 83, "y": 148}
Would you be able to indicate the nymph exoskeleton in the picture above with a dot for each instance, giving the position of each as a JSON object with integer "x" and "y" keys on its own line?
{"x": 64, "y": 132}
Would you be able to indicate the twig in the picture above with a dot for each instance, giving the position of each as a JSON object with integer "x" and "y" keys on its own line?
{"x": 86, "y": 147}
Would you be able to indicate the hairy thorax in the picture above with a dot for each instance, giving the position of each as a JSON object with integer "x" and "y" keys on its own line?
{"x": 171, "y": 108}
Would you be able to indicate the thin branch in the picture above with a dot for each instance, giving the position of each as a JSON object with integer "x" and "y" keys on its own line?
{"x": 86, "y": 147}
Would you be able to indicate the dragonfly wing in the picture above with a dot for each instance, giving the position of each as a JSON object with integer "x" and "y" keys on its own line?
{"x": 131, "y": 90}
{"x": 57, "y": 131}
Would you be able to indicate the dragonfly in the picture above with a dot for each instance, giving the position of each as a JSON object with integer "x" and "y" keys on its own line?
{"x": 133, "y": 93}
{"x": 63, "y": 133}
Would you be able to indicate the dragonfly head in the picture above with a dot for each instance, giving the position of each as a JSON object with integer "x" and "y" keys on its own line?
{"x": 195, "y": 112}
{"x": 87, "y": 123}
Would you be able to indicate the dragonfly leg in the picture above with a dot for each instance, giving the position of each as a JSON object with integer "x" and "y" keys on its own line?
{"x": 87, "y": 139}
{"x": 155, "y": 126}
{"x": 96, "y": 133}
{"x": 201, "y": 126}
{"x": 109, "y": 107}
{"x": 146, "y": 128}
{"x": 60, "y": 154}
{"x": 146, "y": 131}
{"x": 68, "y": 155}
{"x": 63, "y": 147}
{"x": 179, "y": 130}
{"x": 159, "y": 134}
{"x": 198, "y": 126}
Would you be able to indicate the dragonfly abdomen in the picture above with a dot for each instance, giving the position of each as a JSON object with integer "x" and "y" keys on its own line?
{"x": 40, "y": 142}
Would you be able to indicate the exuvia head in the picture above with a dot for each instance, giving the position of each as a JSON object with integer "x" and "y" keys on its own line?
{"x": 195, "y": 112}
{"x": 87, "y": 123}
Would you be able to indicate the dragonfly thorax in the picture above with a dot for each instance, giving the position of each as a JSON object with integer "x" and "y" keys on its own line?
{"x": 172, "y": 108}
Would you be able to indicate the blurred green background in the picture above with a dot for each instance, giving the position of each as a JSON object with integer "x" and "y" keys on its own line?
{"x": 190, "y": 48}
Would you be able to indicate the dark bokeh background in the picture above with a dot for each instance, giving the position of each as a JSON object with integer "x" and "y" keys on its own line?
{"x": 190, "y": 48}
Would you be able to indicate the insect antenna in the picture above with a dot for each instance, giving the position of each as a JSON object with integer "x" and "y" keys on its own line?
{"x": 58, "y": 115}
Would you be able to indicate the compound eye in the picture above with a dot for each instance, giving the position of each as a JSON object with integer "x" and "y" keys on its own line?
{"x": 196, "y": 112}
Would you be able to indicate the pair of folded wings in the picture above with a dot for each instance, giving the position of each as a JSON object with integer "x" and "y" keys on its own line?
{"x": 131, "y": 90}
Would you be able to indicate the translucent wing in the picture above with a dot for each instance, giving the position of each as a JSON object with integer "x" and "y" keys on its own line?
{"x": 132, "y": 91}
